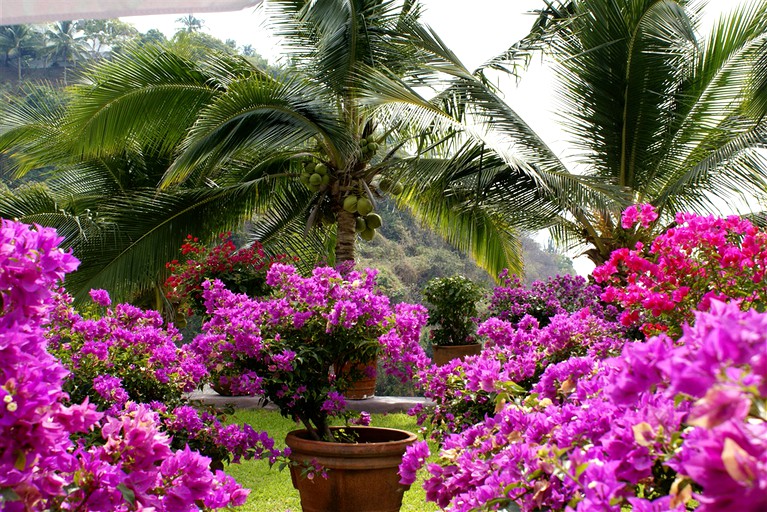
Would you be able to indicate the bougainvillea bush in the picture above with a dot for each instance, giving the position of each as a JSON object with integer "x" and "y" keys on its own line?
{"x": 528, "y": 329}
{"x": 293, "y": 343}
{"x": 124, "y": 355}
{"x": 512, "y": 361}
{"x": 241, "y": 270}
{"x": 666, "y": 424}
{"x": 512, "y": 300}
{"x": 698, "y": 259}
{"x": 55, "y": 456}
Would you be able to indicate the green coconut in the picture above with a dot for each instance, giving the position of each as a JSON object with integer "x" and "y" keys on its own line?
{"x": 397, "y": 188}
{"x": 315, "y": 179}
{"x": 350, "y": 204}
{"x": 364, "y": 206}
{"x": 321, "y": 169}
{"x": 325, "y": 179}
{"x": 360, "y": 225}
{"x": 304, "y": 178}
{"x": 373, "y": 220}
{"x": 368, "y": 234}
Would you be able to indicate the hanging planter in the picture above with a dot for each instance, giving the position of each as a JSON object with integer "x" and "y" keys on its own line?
{"x": 362, "y": 476}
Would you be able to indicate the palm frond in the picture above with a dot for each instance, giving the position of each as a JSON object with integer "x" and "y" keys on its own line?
{"x": 261, "y": 116}
{"x": 148, "y": 92}
{"x": 143, "y": 231}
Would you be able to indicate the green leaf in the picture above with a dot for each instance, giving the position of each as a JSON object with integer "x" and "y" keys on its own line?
{"x": 128, "y": 494}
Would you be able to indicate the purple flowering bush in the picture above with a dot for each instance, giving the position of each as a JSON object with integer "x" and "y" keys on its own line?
{"x": 60, "y": 456}
{"x": 666, "y": 424}
{"x": 125, "y": 355}
{"x": 512, "y": 301}
{"x": 513, "y": 360}
{"x": 295, "y": 344}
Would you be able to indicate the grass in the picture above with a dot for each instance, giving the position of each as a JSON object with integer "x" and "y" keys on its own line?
{"x": 272, "y": 491}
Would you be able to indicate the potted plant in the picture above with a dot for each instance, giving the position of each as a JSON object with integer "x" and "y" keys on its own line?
{"x": 293, "y": 343}
{"x": 452, "y": 303}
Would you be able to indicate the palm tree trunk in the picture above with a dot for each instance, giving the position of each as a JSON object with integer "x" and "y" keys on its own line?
{"x": 346, "y": 237}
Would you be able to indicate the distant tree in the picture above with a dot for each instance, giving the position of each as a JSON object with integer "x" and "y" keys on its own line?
{"x": 65, "y": 45}
{"x": 190, "y": 24}
{"x": 16, "y": 42}
{"x": 103, "y": 35}
{"x": 231, "y": 43}
{"x": 197, "y": 46}
{"x": 152, "y": 36}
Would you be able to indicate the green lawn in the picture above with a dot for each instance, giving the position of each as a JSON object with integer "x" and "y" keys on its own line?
{"x": 271, "y": 489}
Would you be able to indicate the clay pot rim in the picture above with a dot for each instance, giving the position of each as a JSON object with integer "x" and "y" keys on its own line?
{"x": 297, "y": 440}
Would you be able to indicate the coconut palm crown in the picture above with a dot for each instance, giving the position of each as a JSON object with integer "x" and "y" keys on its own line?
{"x": 667, "y": 116}
{"x": 153, "y": 146}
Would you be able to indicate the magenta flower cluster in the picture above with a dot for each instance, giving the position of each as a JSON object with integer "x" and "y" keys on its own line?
{"x": 512, "y": 301}
{"x": 658, "y": 425}
{"x": 123, "y": 354}
{"x": 71, "y": 457}
{"x": 699, "y": 259}
{"x": 297, "y": 345}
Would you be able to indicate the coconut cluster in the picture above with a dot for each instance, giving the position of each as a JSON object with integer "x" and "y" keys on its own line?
{"x": 366, "y": 222}
{"x": 315, "y": 176}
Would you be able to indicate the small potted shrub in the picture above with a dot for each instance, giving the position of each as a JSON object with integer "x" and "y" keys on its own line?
{"x": 292, "y": 344}
{"x": 452, "y": 304}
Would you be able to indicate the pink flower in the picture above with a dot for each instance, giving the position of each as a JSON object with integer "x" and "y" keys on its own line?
{"x": 101, "y": 297}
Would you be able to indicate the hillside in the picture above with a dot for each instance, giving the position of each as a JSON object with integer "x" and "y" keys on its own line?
{"x": 408, "y": 255}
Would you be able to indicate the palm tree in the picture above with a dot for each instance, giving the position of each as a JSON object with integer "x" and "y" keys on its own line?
{"x": 670, "y": 118}
{"x": 15, "y": 41}
{"x": 65, "y": 44}
{"x": 233, "y": 142}
{"x": 190, "y": 23}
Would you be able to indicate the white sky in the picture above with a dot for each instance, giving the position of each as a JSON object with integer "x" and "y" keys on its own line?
{"x": 475, "y": 31}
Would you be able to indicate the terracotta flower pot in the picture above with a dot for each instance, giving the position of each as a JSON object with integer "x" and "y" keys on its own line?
{"x": 362, "y": 476}
{"x": 443, "y": 354}
{"x": 224, "y": 388}
{"x": 363, "y": 387}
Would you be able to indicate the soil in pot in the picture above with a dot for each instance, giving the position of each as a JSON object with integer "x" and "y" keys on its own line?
{"x": 362, "y": 476}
